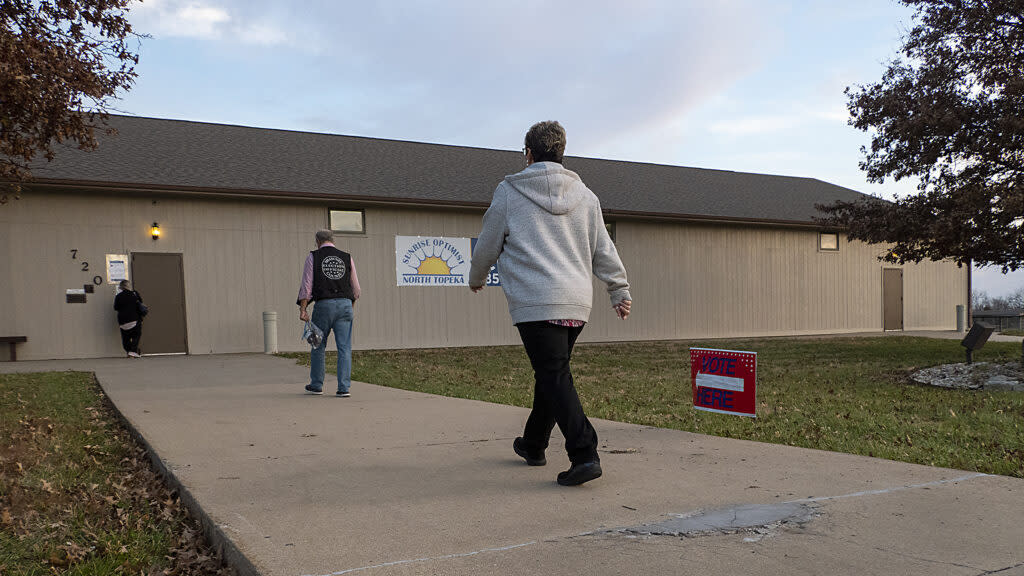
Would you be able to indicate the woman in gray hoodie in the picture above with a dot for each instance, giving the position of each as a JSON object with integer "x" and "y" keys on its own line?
{"x": 545, "y": 230}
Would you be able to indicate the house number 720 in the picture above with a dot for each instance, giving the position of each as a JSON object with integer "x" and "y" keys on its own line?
{"x": 74, "y": 256}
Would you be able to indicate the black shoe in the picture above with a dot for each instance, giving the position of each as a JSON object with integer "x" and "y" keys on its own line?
{"x": 579, "y": 473}
{"x": 531, "y": 459}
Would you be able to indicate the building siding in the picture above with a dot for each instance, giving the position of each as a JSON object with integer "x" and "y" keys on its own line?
{"x": 244, "y": 256}
{"x": 698, "y": 281}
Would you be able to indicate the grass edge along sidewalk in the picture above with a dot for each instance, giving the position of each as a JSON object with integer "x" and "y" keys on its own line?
{"x": 841, "y": 394}
{"x": 78, "y": 495}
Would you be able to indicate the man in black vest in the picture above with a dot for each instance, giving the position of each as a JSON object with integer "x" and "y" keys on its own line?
{"x": 329, "y": 279}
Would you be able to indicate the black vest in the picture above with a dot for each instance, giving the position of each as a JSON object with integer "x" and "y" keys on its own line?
{"x": 332, "y": 274}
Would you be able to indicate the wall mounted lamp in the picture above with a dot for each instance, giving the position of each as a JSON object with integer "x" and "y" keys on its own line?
{"x": 155, "y": 231}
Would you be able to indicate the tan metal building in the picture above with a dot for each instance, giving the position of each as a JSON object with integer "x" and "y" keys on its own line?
{"x": 709, "y": 253}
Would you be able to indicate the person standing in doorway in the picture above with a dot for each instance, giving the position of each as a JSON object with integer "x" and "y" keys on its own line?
{"x": 545, "y": 230}
{"x": 129, "y": 307}
{"x": 329, "y": 279}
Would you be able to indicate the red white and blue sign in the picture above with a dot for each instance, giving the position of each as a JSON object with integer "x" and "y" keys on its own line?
{"x": 724, "y": 381}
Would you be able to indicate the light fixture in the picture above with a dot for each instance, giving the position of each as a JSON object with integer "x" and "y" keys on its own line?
{"x": 155, "y": 231}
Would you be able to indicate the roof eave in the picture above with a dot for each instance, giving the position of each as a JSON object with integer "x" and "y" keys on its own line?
{"x": 124, "y": 187}
{"x": 703, "y": 218}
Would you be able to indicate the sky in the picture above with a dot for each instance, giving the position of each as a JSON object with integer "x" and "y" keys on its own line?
{"x": 743, "y": 85}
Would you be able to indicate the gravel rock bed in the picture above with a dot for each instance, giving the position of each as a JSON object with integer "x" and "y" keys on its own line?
{"x": 975, "y": 376}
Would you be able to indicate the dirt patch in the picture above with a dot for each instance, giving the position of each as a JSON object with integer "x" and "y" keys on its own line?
{"x": 974, "y": 376}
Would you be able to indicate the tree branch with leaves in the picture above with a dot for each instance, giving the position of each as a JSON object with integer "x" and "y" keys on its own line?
{"x": 62, "y": 62}
{"x": 950, "y": 112}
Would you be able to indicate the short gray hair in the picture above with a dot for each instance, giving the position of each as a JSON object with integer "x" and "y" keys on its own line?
{"x": 546, "y": 141}
{"x": 324, "y": 236}
{"x": 123, "y": 284}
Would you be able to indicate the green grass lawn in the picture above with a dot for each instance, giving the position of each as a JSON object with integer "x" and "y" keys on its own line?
{"x": 840, "y": 394}
{"x": 77, "y": 494}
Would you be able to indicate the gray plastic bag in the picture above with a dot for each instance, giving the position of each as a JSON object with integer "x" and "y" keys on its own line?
{"x": 312, "y": 334}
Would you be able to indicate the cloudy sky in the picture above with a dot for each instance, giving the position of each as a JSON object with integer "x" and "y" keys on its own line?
{"x": 745, "y": 85}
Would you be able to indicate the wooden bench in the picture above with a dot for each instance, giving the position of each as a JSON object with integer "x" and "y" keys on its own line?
{"x": 13, "y": 341}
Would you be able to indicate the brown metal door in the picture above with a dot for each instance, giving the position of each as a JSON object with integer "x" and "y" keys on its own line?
{"x": 160, "y": 280}
{"x": 892, "y": 299}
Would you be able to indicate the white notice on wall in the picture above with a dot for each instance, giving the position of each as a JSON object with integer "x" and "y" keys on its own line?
{"x": 117, "y": 268}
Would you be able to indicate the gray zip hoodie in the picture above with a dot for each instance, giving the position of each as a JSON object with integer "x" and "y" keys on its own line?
{"x": 545, "y": 230}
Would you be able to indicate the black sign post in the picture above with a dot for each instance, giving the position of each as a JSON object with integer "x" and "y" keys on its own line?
{"x": 976, "y": 338}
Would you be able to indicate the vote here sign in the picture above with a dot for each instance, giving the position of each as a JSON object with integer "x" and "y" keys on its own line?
{"x": 724, "y": 381}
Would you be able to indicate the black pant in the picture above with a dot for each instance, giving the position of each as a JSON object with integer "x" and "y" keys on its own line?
{"x": 130, "y": 338}
{"x": 554, "y": 397}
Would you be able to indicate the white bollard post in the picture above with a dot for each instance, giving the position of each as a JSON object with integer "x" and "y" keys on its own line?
{"x": 270, "y": 332}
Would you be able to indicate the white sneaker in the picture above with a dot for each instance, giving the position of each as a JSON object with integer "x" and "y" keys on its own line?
{"x": 135, "y": 355}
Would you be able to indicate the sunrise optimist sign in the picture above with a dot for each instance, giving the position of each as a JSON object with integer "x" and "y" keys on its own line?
{"x": 724, "y": 381}
{"x": 432, "y": 261}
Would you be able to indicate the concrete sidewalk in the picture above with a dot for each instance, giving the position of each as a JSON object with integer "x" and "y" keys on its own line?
{"x": 395, "y": 482}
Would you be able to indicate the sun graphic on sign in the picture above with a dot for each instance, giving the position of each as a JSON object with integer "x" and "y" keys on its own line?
{"x": 433, "y": 265}
{"x": 437, "y": 264}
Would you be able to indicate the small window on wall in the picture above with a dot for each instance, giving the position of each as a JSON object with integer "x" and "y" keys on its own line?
{"x": 610, "y": 227}
{"x": 828, "y": 242}
{"x": 348, "y": 221}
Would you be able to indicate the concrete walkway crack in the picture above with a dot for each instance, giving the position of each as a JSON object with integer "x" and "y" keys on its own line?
{"x": 728, "y": 520}
{"x": 927, "y": 560}
{"x": 1002, "y": 569}
{"x": 425, "y": 559}
{"x": 889, "y": 490}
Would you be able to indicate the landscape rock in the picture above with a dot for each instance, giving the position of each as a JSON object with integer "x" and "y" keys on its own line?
{"x": 975, "y": 376}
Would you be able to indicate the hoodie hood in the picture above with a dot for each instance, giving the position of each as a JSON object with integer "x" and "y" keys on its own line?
{"x": 550, "y": 186}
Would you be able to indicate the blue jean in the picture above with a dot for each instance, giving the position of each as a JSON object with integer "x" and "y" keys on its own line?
{"x": 334, "y": 314}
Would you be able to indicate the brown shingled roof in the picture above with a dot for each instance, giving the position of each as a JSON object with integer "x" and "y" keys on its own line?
{"x": 159, "y": 154}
